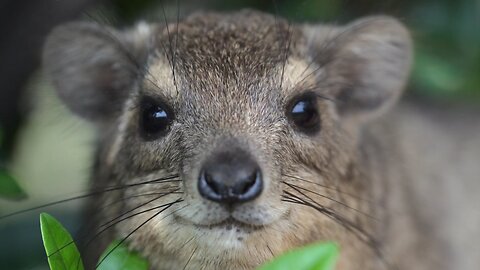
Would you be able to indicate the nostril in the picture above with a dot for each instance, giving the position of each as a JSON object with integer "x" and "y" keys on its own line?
{"x": 208, "y": 187}
{"x": 244, "y": 185}
{"x": 249, "y": 188}
{"x": 211, "y": 183}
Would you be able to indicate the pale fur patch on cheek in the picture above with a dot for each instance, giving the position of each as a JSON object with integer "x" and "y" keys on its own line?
{"x": 299, "y": 73}
{"x": 120, "y": 133}
{"x": 160, "y": 75}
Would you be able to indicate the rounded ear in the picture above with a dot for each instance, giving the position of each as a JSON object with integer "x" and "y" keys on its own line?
{"x": 93, "y": 67}
{"x": 368, "y": 65}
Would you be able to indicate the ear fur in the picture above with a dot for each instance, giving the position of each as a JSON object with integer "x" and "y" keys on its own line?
{"x": 369, "y": 63}
{"x": 92, "y": 67}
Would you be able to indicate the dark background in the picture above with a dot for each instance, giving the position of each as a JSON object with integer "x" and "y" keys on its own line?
{"x": 446, "y": 71}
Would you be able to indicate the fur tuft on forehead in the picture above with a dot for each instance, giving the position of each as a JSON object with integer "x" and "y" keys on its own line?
{"x": 235, "y": 46}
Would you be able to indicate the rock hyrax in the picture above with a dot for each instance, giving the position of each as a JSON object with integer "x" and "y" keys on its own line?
{"x": 225, "y": 140}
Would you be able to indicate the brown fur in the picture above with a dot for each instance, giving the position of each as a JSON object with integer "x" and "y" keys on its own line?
{"x": 234, "y": 76}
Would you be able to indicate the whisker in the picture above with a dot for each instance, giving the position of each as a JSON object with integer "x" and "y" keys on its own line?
{"x": 330, "y": 188}
{"x": 355, "y": 229}
{"x": 316, "y": 88}
{"x": 97, "y": 234}
{"x": 327, "y": 50}
{"x": 140, "y": 195}
{"x": 107, "y": 225}
{"x": 320, "y": 51}
{"x": 186, "y": 242}
{"x": 288, "y": 40}
{"x": 176, "y": 44}
{"x": 331, "y": 199}
{"x": 140, "y": 69}
{"x": 136, "y": 229}
{"x": 135, "y": 208}
{"x": 327, "y": 211}
{"x": 168, "y": 179}
{"x": 188, "y": 261}
{"x": 172, "y": 55}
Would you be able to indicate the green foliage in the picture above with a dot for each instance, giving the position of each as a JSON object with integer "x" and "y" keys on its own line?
{"x": 118, "y": 257}
{"x": 313, "y": 257}
{"x": 447, "y": 59}
{"x": 61, "y": 251}
{"x": 9, "y": 188}
{"x": 63, "y": 254}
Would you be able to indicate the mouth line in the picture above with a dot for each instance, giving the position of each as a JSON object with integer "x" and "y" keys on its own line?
{"x": 229, "y": 223}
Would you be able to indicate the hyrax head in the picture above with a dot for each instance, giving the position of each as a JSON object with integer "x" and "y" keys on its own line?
{"x": 224, "y": 127}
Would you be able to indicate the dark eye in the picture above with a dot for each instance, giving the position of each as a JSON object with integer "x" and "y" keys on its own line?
{"x": 303, "y": 113}
{"x": 155, "y": 118}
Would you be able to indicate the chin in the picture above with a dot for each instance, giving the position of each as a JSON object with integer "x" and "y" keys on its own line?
{"x": 229, "y": 236}
{"x": 227, "y": 244}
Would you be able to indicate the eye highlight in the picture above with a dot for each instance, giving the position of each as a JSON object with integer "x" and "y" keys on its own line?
{"x": 155, "y": 118}
{"x": 303, "y": 114}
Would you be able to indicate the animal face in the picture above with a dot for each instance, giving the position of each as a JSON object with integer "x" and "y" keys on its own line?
{"x": 234, "y": 135}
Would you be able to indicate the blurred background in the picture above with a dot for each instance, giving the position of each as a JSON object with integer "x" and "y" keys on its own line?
{"x": 48, "y": 152}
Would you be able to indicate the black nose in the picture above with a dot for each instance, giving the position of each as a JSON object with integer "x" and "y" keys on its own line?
{"x": 230, "y": 177}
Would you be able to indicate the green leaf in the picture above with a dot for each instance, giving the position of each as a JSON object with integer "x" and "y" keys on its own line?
{"x": 61, "y": 250}
{"x": 9, "y": 188}
{"x": 437, "y": 74}
{"x": 118, "y": 257}
{"x": 313, "y": 257}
